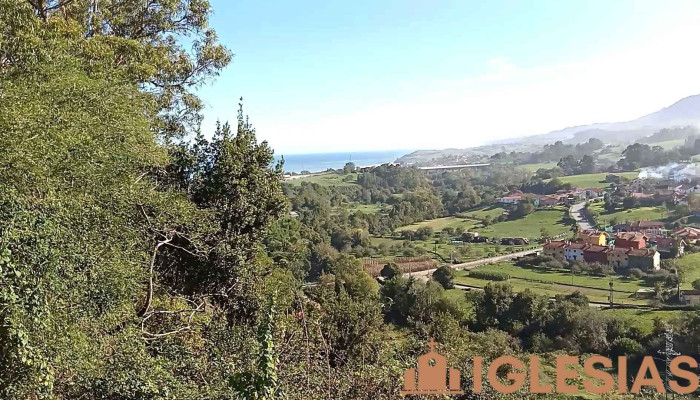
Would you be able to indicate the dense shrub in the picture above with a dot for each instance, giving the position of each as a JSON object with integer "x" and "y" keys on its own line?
{"x": 445, "y": 276}
{"x": 635, "y": 273}
{"x": 489, "y": 275}
{"x": 539, "y": 261}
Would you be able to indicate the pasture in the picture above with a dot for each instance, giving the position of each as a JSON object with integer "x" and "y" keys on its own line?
{"x": 593, "y": 180}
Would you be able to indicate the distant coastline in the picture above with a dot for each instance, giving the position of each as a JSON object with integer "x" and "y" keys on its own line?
{"x": 319, "y": 162}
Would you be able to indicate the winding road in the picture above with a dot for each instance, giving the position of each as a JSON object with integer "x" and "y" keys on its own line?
{"x": 580, "y": 217}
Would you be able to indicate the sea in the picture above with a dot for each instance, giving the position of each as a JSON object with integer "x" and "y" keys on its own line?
{"x": 319, "y": 162}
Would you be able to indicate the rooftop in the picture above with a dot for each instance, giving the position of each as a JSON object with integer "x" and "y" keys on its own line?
{"x": 596, "y": 249}
{"x": 555, "y": 244}
{"x": 641, "y": 253}
{"x": 633, "y": 236}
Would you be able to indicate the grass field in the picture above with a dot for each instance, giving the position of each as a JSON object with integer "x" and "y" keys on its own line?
{"x": 479, "y": 214}
{"x": 643, "y": 319}
{"x": 634, "y": 214}
{"x": 689, "y": 264}
{"x": 669, "y": 144}
{"x": 529, "y": 226}
{"x": 462, "y": 252}
{"x": 365, "y": 208}
{"x": 551, "y": 283}
{"x": 325, "y": 179}
{"x": 563, "y": 276}
{"x": 440, "y": 223}
{"x": 593, "y": 180}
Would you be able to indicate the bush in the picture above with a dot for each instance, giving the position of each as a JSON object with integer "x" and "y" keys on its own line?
{"x": 424, "y": 233}
{"x": 445, "y": 275}
{"x": 489, "y": 275}
{"x": 625, "y": 347}
{"x": 390, "y": 270}
{"x": 635, "y": 273}
{"x": 601, "y": 269}
{"x": 534, "y": 261}
{"x": 658, "y": 276}
{"x": 696, "y": 284}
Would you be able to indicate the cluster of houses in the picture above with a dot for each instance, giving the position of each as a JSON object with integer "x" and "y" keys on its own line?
{"x": 672, "y": 171}
{"x": 657, "y": 193}
{"x": 627, "y": 250}
{"x": 642, "y": 246}
{"x": 550, "y": 200}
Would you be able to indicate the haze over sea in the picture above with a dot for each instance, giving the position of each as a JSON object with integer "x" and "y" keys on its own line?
{"x": 318, "y": 162}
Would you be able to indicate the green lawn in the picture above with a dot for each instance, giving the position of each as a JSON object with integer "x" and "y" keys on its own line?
{"x": 562, "y": 276}
{"x": 439, "y": 223}
{"x": 365, "y": 208}
{"x": 462, "y": 252}
{"x": 481, "y": 213}
{"x": 669, "y": 144}
{"x": 689, "y": 264}
{"x": 529, "y": 226}
{"x": 643, "y": 319}
{"x": 593, "y": 180}
{"x": 635, "y": 214}
{"x": 551, "y": 283}
{"x": 325, "y": 179}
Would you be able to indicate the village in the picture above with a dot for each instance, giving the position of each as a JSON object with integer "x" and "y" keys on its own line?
{"x": 625, "y": 245}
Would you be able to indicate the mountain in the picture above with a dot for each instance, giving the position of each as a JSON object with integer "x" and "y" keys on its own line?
{"x": 684, "y": 112}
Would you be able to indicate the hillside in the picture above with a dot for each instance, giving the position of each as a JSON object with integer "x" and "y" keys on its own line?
{"x": 684, "y": 112}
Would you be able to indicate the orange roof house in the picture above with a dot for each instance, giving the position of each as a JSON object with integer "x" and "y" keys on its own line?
{"x": 594, "y": 237}
{"x": 689, "y": 234}
{"x": 555, "y": 249}
{"x": 631, "y": 240}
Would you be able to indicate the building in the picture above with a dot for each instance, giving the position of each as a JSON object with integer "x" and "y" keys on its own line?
{"x": 690, "y": 297}
{"x": 665, "y": 195}
{"x": 645, "y": 259}
{"x": 594, "y": 237}
{"x": 617, "y": 257}
{"x": 593, "y": 193}
{"x": 514, "y": 197}
{"x": 687, "y": 189}
{"x": 631, "y": 240}
{"x": 596, "y": 254}
{"x": 688, "y": 234}
{"x": 547, "y": 201}
{"x": 574, "y": 251}
{"x": 649, "y": 227}
{"x": 555, "y": 249}
{"x": 668, "y": 247}
{"x": 688, "y": 173}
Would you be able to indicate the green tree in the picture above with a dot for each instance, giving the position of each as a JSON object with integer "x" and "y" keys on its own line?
{"x": 445, "y": 275}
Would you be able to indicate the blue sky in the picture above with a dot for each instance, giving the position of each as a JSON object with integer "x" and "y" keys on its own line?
{"x": 325, "y": 76}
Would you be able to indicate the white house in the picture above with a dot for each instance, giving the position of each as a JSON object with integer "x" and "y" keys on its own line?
{"x": 574, "y": 251}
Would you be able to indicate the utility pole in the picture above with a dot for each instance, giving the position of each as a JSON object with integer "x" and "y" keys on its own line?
{"x": 612, "y": 303}
{"x": 669, "y": 353}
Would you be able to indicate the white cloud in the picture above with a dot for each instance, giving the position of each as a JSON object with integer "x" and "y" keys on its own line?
{"x": 509, "y": 101}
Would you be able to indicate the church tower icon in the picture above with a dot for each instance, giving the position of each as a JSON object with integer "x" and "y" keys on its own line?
{"x": 432, "y": 375}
